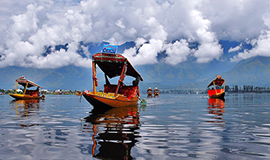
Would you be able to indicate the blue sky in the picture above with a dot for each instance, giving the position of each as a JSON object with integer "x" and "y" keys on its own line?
{"x": 28, "y": 27}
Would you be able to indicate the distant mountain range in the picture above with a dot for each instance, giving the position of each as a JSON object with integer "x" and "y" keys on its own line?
{"x": 186, "y": 75}
{"x": 253, "y": 71}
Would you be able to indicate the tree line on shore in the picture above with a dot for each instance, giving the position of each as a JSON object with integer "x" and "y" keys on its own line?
{"x": 228, "y": 89}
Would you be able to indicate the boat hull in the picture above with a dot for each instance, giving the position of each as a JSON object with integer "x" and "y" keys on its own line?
{"x": 104, "y": 100}
{"x": 219, "y": 93}
{"x": 21, "y": 96}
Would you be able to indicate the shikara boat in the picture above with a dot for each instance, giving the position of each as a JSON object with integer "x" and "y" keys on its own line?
{"x": 27, "y": 94}
{"x": 156, "y": 92}
{"x": 78, "y": 93}
{"x": 216, "y": 89}
{"x": 149, "y": 92}
{"x": 114, "y": 95}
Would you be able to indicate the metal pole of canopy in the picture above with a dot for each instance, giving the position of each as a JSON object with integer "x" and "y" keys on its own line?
{"x": 94, "y": 77}
{"x": 16, "y": 88}
{"x": 25, "y": 88}
{"x": 122, "y": 77}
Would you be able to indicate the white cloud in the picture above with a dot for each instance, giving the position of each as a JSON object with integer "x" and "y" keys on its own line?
{"x": 119, "y": 23}
{"x": 235, "y": 49}
{"x": 147, "y": 53}
{"x": 177, "y": 52}
{"x": 209, "y": 47}
{"x": 207, "y": 52}
{"x": 260, "y": 47}
{"x": 27, "y": 27}
{"x": 140, "y": 41}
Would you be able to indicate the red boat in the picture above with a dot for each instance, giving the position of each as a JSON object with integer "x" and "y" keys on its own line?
{"x": 114, "y": 95}
{"x": 149, "y": 92}
{"x": 216, "y": 89}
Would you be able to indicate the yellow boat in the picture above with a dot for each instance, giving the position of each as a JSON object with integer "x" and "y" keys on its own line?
{"x": 114, "y": 95}
{"x": 27, "y": 94}
{"x": 78, "y": 93}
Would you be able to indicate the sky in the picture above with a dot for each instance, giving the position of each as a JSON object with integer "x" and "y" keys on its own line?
{"x": 28, "y": 27}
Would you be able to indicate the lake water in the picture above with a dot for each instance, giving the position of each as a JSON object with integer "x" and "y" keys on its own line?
{"x": 172, "y": 126}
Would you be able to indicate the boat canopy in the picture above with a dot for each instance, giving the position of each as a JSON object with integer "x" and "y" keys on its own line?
{"x": 22, "y": 81}
{"x": 112, "y": 65}
{"x": 218, "y": 81}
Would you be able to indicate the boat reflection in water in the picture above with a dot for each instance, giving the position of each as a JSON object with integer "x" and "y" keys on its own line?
{"x": 114, "y": 131}
{"x": 25, "y": 108}
{"x": 216, "y": 108}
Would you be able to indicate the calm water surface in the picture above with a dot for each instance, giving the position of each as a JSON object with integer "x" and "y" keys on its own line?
{"x": 172, "y": 126}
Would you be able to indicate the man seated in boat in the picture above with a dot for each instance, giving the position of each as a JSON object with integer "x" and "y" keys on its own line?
{"x": 136, "y": 83}
{"x": 149, "y": 92}
{"x": 156, "y": 91}
{"x": 37, "y": 91}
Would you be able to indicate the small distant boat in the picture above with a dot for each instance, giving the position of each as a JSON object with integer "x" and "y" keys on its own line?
{"x": 78, "y": 93}
{"x": 149, "y": 92}
{"x": 217, "y": 89}
{"x": 156, "y": 92}
{"x": 114, "y": 95}
{"x": 27, "y": 94}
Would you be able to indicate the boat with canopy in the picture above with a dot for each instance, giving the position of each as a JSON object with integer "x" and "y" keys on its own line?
{"x": 113, "y": 95}
{"x": 217, "y": 89}
{"x": 27, "y": 94}
{"x": 156, "y": 92}
{"x": 149, "y": 92}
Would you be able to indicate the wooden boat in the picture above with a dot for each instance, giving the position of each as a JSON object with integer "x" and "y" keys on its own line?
{"x": 218, "y": 88}
{"x": 27, "y": 94}
{"x": 78, "y": 93}
{"x": 114, "y": 95}
{"x": 156, "y": 92}
{"x": 149, "y": 92}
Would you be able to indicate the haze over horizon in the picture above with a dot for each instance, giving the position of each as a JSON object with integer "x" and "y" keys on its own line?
{"x": 28, "y": 28}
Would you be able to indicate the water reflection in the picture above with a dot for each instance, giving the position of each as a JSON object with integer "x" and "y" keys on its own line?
{"x": 26, "y": 108}
{"x": 216, "y": 108}
{"x": 114, "y": 132}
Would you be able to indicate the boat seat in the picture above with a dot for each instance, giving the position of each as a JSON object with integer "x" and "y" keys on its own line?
{"x": 31, "y": 92}
{"x": 128, "y": 91}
